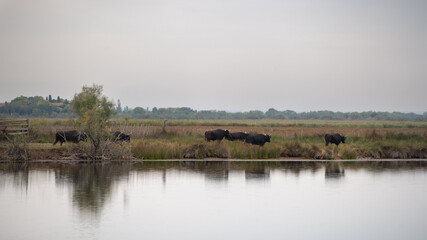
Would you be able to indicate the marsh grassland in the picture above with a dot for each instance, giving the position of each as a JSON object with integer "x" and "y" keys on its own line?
{"x": 290, "y": 139}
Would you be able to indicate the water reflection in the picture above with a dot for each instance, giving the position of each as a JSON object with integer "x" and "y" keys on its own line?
{"x": 190, "y": 200}
{"x": 334, "y": 170}
{"x": 92, "y": 184}
{"x": 20, "y": 173}
{"x": 216, "y": 171}
{"x": 297, "y": 167}
{"x": 257, "y": 171}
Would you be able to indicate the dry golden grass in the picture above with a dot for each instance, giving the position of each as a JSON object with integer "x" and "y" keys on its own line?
{"x": 301, "y": 139}
{"x": 43, "y": 130}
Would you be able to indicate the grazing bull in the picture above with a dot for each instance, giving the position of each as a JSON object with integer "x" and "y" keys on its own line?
{"x": 69, "y": 136}
{"x": 119, "y": 136}
{"x": 257, "y": 139}
{"x": 240, "y": 136}
{"x": 334, "y": 138}
{"x": 217, "y": 134}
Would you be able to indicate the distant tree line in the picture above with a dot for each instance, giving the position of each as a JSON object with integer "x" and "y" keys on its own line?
{"x": 36, "y": 107}
{"x": 59, "y": 108}
{"x": 57, "y": 100}
{"x": 188, "y": 113}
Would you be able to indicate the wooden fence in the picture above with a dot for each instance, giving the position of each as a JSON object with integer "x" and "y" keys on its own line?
{"x": 14, "y": 126}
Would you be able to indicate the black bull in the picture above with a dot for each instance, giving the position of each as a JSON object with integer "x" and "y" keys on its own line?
{"x": 217, "y": 134}
{"x": 69, "y": 136}
{"x": 334, "y": 138}
{"x": 119, "y": 136}
{"x": 257, "y": 139}
{"x": 240, "y": 136}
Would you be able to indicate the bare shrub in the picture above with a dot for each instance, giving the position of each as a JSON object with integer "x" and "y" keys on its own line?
{"x": 18, "y": 147}
{"x": 107, "y": 150}
{"x": 116, "y": 151}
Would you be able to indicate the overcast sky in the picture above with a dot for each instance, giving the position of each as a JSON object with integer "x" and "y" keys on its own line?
{"x": 233, "y": 55}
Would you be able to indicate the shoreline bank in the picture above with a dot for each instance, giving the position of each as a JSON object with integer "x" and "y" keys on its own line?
{"x": 162, "y": 150}
{"x": 213, "y": 160}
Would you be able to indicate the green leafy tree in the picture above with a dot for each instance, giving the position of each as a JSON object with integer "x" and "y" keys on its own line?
{"x": 93, "y": 110}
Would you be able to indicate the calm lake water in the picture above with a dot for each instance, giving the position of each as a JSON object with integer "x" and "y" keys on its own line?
{"x": 214, "y": 200}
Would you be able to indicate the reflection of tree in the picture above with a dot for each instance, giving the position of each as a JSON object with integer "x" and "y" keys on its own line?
{"x": 92, "y": 183}
{"x": 334, "y": 170}
{"x": 258, "y": 174}
{"x": 20, "y": 174}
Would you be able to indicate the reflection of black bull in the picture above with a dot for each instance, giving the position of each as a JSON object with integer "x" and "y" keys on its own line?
{"x": 334, "y": 171}
{"x": 260, "y": 174}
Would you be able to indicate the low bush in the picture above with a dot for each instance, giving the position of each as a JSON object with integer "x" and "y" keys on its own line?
{"x": 17, "y": 149}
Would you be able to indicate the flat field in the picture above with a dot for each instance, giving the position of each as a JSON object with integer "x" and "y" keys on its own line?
{"x": 290, "y": 139}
